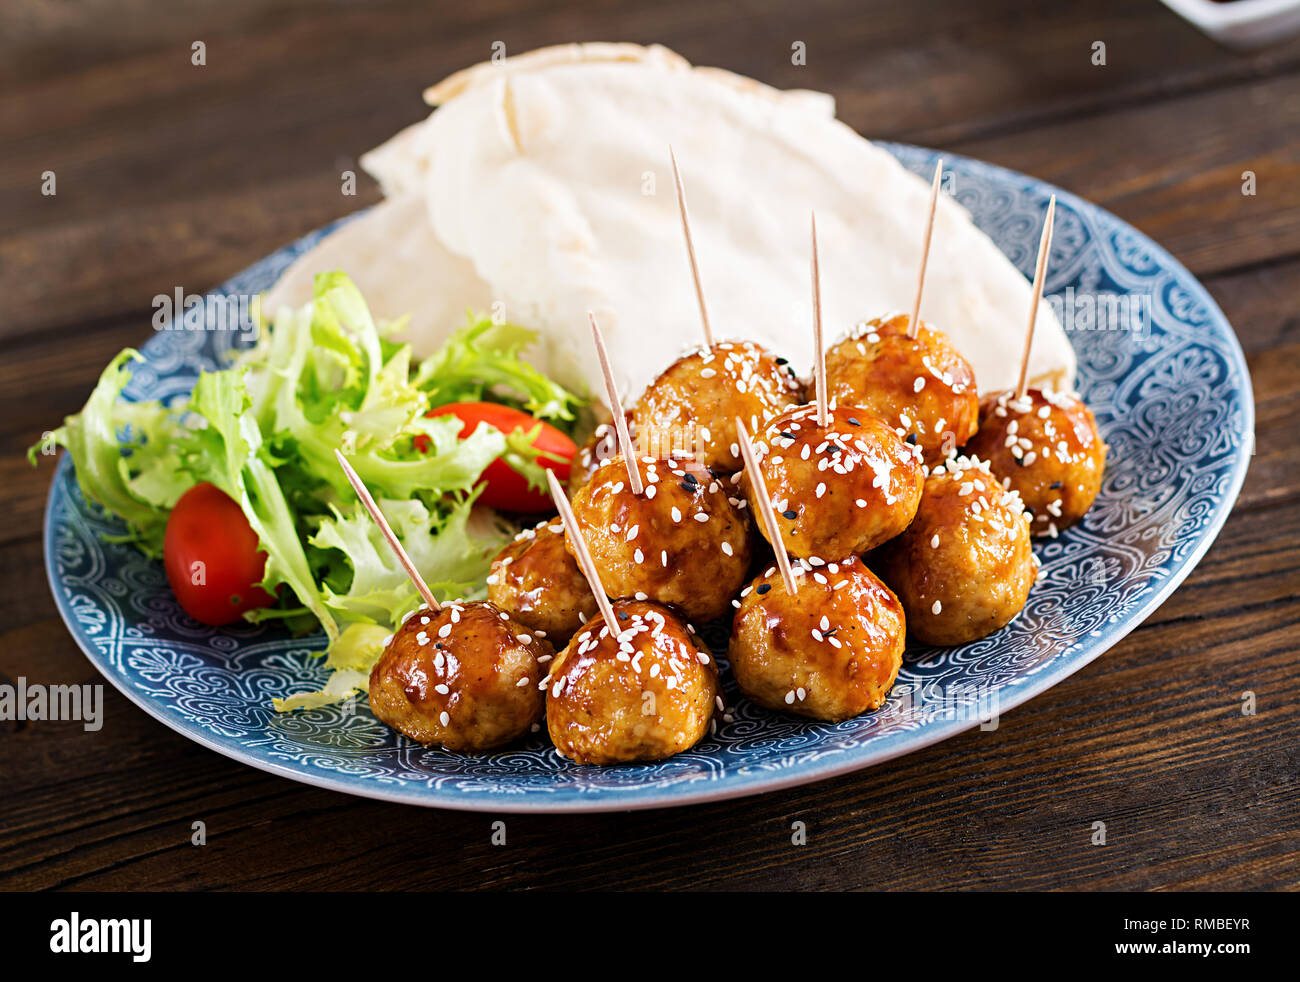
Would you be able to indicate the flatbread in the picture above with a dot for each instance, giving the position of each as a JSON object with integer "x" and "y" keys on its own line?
{"x": 543, "y": 185}
{"x": 400, "y": 267}
{"x": 555, "y": 183}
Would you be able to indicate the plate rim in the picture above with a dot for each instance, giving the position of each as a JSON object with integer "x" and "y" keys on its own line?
{"x": 737, "y": 784}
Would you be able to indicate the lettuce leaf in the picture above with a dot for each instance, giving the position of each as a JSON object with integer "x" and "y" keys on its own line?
{"x": 122, "y": 452}
{"x": 482, "y": 361}
{"x": 264, "y": 431}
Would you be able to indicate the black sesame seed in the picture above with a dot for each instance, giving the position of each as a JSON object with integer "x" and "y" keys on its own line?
{"x": 854, "y": 422}
{"x": 689, "y": 488}
{"x": 787, "y": 434}
{"x": 1055, "y": 485}
{"x": 782, "y": 361}
{"x": 790, "y": 514}
{"x": 830, "y": 633}
{"x": 763, "y": 587}
{"x": 621, "y": 615}
{"x": 911, "y": 438}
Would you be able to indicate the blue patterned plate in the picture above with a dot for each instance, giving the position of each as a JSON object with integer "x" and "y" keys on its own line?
{"x": 1172, "y": 397}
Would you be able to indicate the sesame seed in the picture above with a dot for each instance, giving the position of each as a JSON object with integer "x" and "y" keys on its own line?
{"x": 936, "y": 607}
{"x": 726, "y": 548}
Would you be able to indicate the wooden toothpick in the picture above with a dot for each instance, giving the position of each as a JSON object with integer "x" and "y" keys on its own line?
{"x": 386, "y": 529}
{"x": 822, "y": 409}
{"x": 765, "y": 508}
{"x": 1044, "y": 248}
{"x": 616, "y": 404}
{"x": 914, "y": 323}
{"x": 585, "y": 562}
{"x": 690, "y": 250}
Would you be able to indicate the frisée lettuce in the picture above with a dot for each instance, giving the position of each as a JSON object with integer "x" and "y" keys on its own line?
{"x": 264, "y": 431}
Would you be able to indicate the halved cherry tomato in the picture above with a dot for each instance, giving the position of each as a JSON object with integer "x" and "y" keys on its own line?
{"x": 212, "y": 558}
{"x": 506, "y": 488}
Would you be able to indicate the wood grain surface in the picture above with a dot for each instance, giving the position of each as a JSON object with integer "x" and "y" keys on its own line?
{"x": 174, "y": 175}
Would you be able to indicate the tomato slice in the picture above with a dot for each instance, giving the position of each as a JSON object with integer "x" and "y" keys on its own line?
{"x": 212, "y": 558}
{"x": 506, "y": 489}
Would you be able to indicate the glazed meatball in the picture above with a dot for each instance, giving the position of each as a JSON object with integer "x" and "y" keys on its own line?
{"x": 643, "y": 692}
{"x": 464, "y": 678}
{"x": 1046, "y": 447}
{"x": 600, "y": 446}
{"x": 921, "y": 384}
{"x": 683, "y": 541}
{"x": 964, "y": 566}
{"x": 698, "y": 398}
{"x": 538, "y": 583}
{"x": 839, "y": 490}
{"x": 831, "y": 651}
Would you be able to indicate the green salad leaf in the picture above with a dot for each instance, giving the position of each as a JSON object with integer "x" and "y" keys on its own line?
{"x": 122, "y": 456}
{"x": 481, "y": 361}
{"x": 265, "y": 429}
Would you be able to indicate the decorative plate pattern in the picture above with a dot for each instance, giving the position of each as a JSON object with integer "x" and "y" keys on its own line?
{"x": 1173, "y": 400}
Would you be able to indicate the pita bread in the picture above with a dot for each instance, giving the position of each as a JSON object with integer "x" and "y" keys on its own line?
{"x": 555, "y": 183}
{"x": 545, "y": 186}
{"x": 400, "y": 267}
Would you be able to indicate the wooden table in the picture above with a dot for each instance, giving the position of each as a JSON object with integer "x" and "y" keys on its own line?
{"x": 170, "y": 174}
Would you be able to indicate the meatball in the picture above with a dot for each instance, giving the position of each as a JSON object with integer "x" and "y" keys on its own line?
{"x": 699, "y": 396}
{"x": 1046, "y": 447}
{"x": 600, "y": 446}
{"x": 922, "y": 384}
{"x": 464, "y": 678}
{"x": 683, "y": 541}
{"x": 964, "y": 566}
{"x": 831, "y": 651}
{"x": 839, "y": 490}
{"x": 644, "y": 692}
{"x": 538, "y": 583}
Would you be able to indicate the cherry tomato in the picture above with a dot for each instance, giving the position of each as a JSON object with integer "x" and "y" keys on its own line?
{"x": 212, "y": 558}
{"x": 506, "y": 488}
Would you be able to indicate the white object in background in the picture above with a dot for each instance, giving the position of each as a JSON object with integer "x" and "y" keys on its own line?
{"x": 1242, "y": 23}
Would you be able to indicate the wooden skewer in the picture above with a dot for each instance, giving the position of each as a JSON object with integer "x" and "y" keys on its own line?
{"x": 1044, "y": 248}
{"x": 914, "y": 323}
{"x": 620, "y": 420}
{"x": 690, "y": 250}
{"x": 585, "y": 561}
{"x": 822, "y": 418}
{"x": 387, "y": 530}
{"x": 765, "y": 508}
